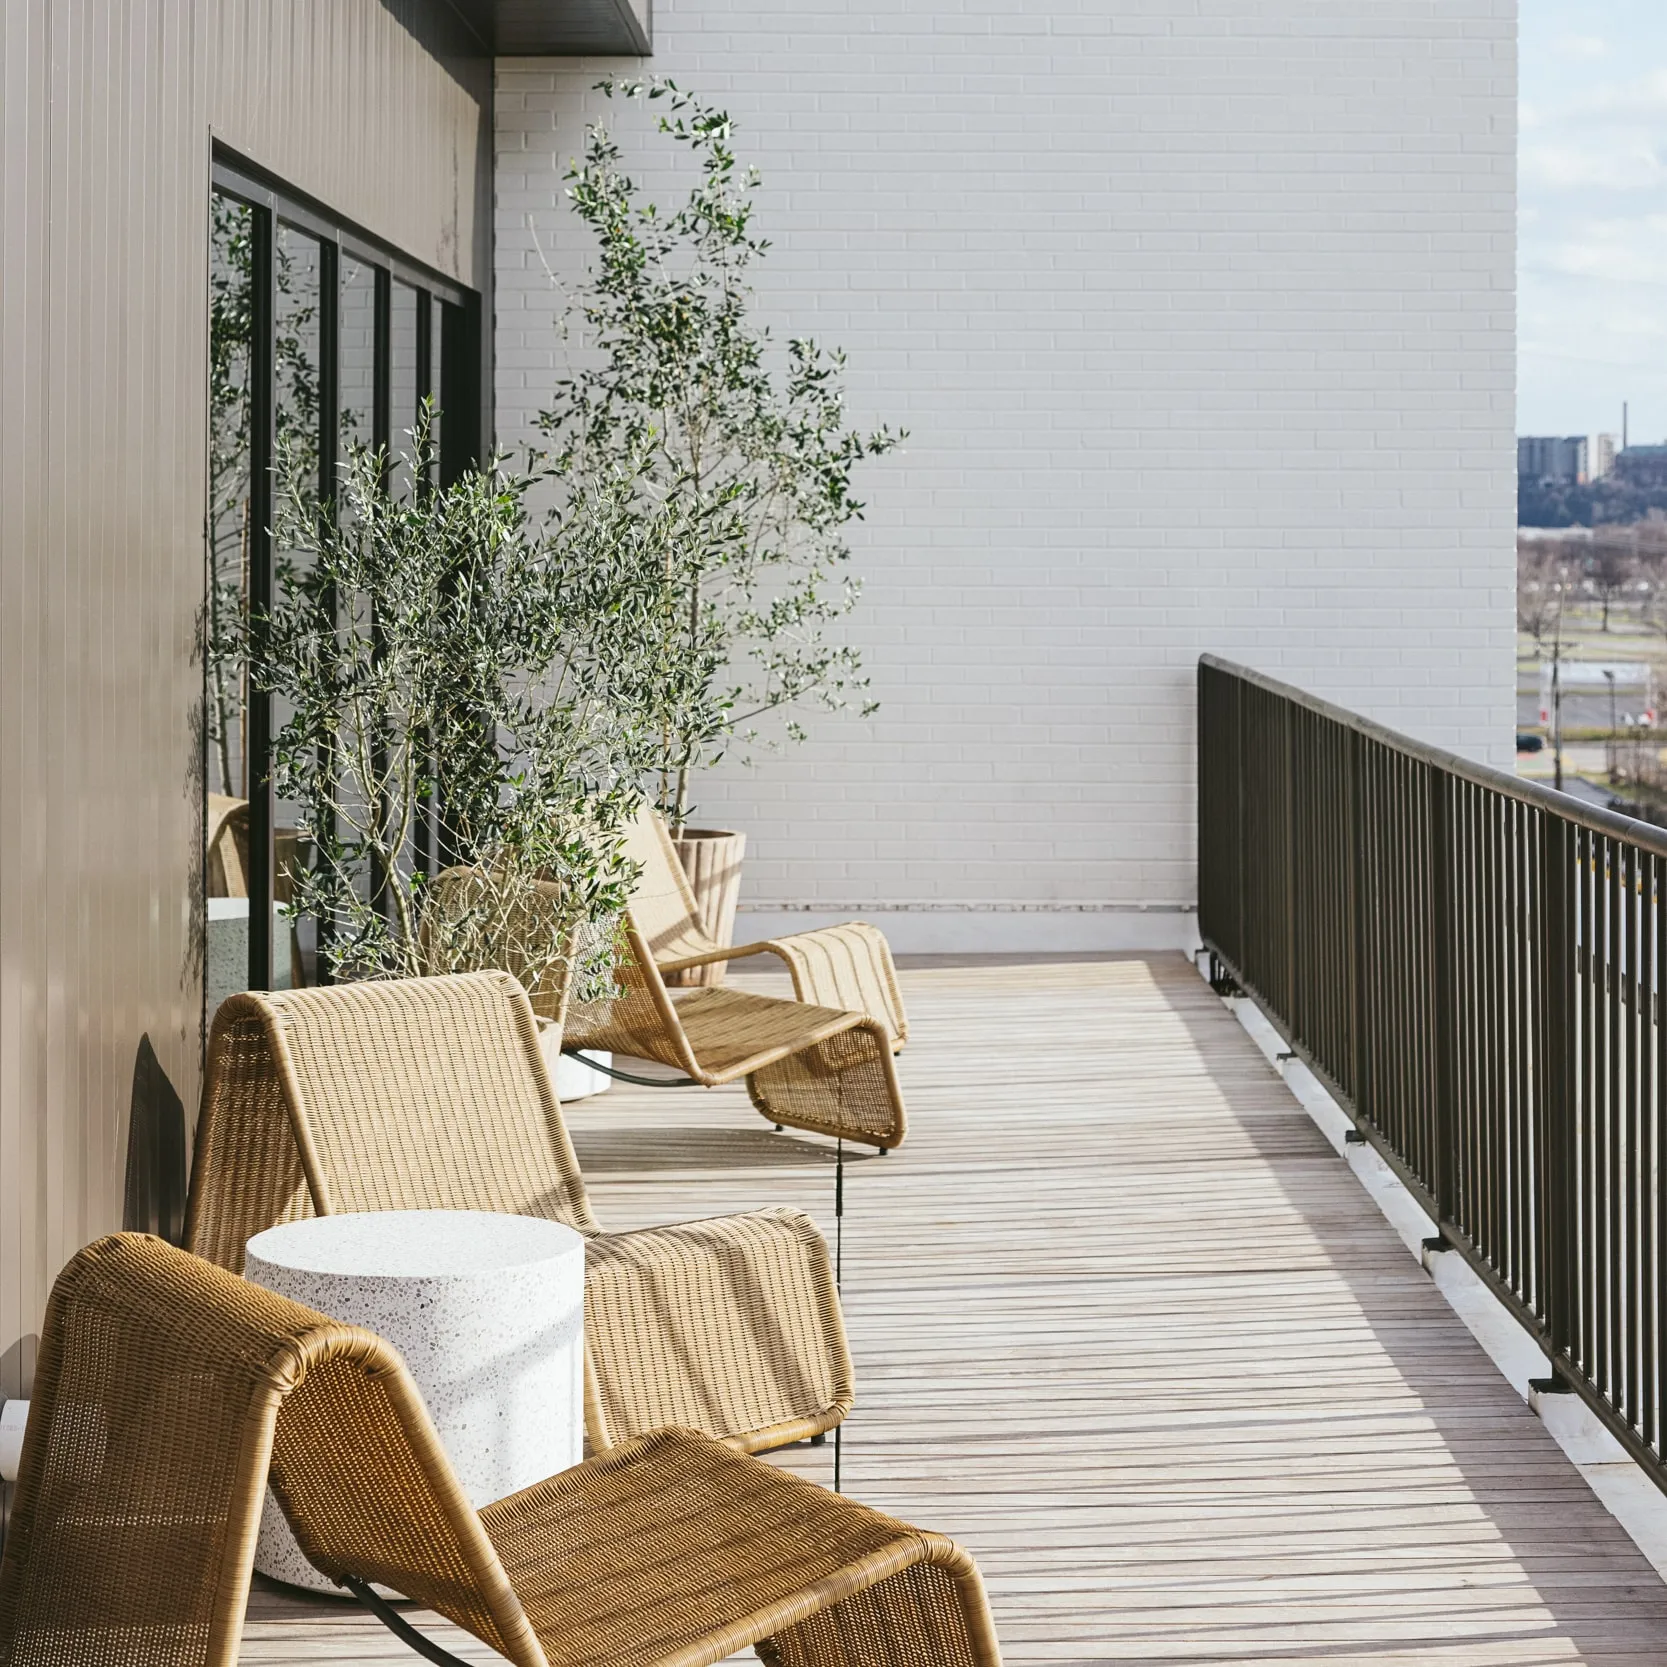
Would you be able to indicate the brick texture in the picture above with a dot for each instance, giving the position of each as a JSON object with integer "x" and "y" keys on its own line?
{"x": 1200, "y": 314}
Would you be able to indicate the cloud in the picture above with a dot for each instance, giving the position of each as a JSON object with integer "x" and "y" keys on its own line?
{"x": 1619, "y": 251}
{"x": 1578, "y": 163}
{"x": 1592, "y": 225}
{"x": 1605, "y": 135}
{"x": 1641, "y": 99}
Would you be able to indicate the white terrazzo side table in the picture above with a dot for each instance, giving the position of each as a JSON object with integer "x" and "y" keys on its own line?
{"x": 488, "y": 1313}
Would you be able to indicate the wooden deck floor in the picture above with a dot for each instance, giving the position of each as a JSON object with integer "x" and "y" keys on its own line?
{"x": 1127, "y": 1327}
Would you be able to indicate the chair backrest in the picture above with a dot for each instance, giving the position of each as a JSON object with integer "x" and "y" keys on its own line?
{"x": 227, "y": 846}
{"x": 401, "y": 1094}
{"x": 163, "y": 1390}
{"x": 662, "y": 906}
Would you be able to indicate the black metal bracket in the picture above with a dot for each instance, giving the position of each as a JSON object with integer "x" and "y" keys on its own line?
{"x": 1222, "y": 981}
{"x": 1556, "y": 1384}
{"x": 626, "y": 1076}
{"x": 401, "y": 1628}
{"x": 1353, "y": 1137}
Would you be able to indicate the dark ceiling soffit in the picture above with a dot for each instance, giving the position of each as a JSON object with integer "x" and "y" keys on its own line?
{"x": 561, "y": 28}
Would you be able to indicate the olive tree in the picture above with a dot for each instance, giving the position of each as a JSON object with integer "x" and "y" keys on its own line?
{"x": 671, "y": 369}
{"x": 464, "y": 690}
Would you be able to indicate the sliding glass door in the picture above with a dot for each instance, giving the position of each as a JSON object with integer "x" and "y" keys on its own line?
{"x": 320, "y": 339}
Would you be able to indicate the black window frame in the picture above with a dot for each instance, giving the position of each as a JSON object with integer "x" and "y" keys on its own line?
{"x": 464, "y": 426}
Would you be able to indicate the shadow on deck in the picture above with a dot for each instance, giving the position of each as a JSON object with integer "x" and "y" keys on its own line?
{"x": 1127, "y": 1326}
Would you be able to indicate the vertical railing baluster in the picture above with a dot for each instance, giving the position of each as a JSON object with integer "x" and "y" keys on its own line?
{"x": 1611, "y": 1172}
{"x": 1658, "y": 1124}
{"x": 1591, "y": 1094}
{"x": 1528, "y": 929}
{"x": 1645, "y": 1181}
{"x": 1442, "y": 862}
{"x": 1359, "y": 1085}
{"x": 1624, "y": 1204}
{"x": 1511, "y": 915}
{"x": 1504, "y": 1001}
{"x": 1557, "y": 1094}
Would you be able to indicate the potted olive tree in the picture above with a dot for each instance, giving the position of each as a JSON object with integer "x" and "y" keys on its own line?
{"x": 748, "y": 441}
{"x": 464, "y": 687}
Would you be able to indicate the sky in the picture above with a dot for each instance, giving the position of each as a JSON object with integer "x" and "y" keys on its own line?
{"x": 1592, "y": 253}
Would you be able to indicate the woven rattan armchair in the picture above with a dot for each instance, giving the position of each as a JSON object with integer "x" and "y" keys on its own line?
{"x": 845, "y": 967}
{"x": 168, "y": 1391}
{"x": 433, "y": 1093}
{"x": 806, "y": 1067}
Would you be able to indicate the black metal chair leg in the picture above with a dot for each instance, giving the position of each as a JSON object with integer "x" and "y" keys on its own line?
{"x": 401, "y": 1628}
{"x": 626, "y": 1076}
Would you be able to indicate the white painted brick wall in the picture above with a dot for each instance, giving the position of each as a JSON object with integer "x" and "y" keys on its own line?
{"x": 1200, "y": 314}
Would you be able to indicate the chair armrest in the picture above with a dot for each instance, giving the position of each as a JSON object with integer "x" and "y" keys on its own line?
{"x": 683, "y": 962}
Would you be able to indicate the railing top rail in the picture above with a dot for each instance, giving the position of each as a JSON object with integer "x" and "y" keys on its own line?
{"x": 1570, "y": 809}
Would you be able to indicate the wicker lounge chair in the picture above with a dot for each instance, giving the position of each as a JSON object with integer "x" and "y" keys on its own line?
{"x": 806, "y": 1067}
{"x": 433, "y": 1093}
{"x": 168, "y": 1391}
{"x": 845, "y": 967}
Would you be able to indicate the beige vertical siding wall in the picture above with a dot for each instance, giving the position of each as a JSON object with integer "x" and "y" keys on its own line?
{"x": 108, "y": 109}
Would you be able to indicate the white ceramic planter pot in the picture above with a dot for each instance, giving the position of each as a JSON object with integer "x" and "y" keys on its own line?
{"x": 574, "y": 1081}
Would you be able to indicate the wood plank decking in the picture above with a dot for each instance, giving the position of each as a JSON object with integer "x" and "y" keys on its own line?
{"x": 1126, "y": 1326}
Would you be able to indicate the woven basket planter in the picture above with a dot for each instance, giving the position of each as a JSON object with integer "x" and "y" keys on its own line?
{"x": 712, "y": 860}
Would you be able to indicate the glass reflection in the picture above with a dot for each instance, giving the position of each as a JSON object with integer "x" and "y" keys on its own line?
{"x": 386, "y": 340}
{"x": 298, "y": 271}
{"x": 402, "y": 388}
{"x": 225, "y": 728}
{"x": 357, "y": 370}
{"x": 230, "y": 299}
{"x": 436, "y": 359}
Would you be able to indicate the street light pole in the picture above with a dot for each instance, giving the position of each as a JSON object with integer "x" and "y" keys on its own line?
{"x": 1557, "y": 700}
{"x": 1609, "y": 673}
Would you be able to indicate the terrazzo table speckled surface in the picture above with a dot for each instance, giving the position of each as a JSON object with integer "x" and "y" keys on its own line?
{"x": 488, "y": 1313}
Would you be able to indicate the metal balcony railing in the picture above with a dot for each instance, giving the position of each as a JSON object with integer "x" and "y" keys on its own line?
{"x": 1475, "y": 967}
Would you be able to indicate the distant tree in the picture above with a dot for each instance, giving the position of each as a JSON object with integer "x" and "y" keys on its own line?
{"x": 1552, "y": 503}
{"x": 1610, "y": 566}
{"x": 1651, "y": 574}
{"x": 1545, "y": 575}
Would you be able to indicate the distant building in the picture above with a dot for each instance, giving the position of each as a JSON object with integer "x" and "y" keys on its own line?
{"x": 1601, "y": 452}
{"x": 1552, "y": 457}
{"x": 1642, "y": 466}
